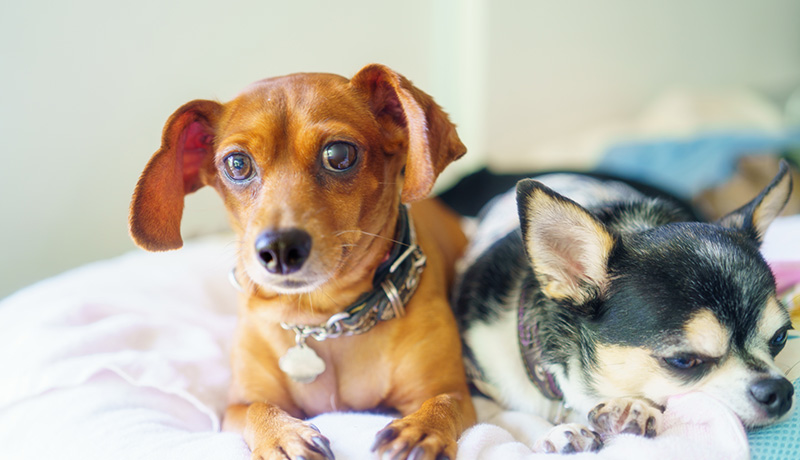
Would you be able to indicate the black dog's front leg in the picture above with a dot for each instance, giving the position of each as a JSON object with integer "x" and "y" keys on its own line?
{"x": 627, "y": 415}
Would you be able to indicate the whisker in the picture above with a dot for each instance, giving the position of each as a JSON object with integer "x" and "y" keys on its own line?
{"x": 340, "y": 233}
{"x": 790, "y": 369}
{"x": 331, "y": 298}
{"x": 248, "y": 286}
{"x": 310, "y": 303}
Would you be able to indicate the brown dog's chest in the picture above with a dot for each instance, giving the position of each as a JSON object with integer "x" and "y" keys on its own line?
{"x": 356, "y": 376}
{"x": 355, "y": 379}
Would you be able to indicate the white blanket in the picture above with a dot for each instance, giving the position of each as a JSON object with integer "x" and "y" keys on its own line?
{"x": 128, "y": 358}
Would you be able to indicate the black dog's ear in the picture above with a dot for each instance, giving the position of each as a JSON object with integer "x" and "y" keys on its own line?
{"x": 754, "y": 217}
{"x": 566, "y": 245}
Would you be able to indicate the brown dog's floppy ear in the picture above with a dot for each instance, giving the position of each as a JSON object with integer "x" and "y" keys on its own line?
{"x": 567, "y": 246}
{"x": 754, "y": 217}
{"x": 432, "y": 139}
{"x": 187, "y": 143}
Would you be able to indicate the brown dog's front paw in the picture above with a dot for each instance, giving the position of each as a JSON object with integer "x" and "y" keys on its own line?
{"x": 272, "y": 434}
{"x": 303, "y": 442}
{"x": 404, "y": 439}
{"x": 429, "y": 433}
{"x": 569, "y": 438}
{"x": 627, "y": 415}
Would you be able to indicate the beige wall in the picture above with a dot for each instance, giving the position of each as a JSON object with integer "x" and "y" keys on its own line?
{"x": 87, "y": 85}
{"x": 560, "y": 67}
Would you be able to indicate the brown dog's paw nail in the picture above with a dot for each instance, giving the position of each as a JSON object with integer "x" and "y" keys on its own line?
{"x": 416, "y": 453}
{"x": 383, "y": 436}
{"x": 323, "y": 446}
{"x": 396, "y": 452}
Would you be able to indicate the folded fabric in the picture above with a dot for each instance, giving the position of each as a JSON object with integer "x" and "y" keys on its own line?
{"x": 108, "y": 417}
{"x": 128, "y": 358}
{"x": 695, "y": 426}
{"x": 162, "y": 321}
{"x": 694, "y": 163}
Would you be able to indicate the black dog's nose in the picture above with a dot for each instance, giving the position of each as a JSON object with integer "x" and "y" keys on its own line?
{"x": 774, "y": 395}
{"x": 283, "y": 252}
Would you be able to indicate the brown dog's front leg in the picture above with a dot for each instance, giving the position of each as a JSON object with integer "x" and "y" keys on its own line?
{"x": 272, "y": 434}
{"x": 429, "y": 433}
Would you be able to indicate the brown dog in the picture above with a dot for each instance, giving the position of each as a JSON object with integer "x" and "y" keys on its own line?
{"x": 314, "y": 170}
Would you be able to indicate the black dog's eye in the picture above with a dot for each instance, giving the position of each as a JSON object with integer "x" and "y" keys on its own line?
{"x": 683, "y": 362}
{"x": 238, "y": 167}
{"x": 778, "y": 341}
{"x": 339, "y": 156}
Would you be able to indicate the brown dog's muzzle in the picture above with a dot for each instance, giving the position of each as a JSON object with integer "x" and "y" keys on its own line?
{"x": 283, "y": 252}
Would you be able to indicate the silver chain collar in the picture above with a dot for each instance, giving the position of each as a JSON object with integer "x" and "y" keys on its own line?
{"x": 382, "y": 304}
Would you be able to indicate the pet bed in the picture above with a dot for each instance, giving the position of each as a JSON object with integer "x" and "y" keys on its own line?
{"x": 128, "y": 358}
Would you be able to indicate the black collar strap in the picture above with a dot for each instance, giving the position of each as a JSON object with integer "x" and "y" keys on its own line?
{"x": 531, "y": 348}
{"x": 394, "y": 282}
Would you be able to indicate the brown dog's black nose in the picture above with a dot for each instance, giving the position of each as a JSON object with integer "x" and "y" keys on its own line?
{"x": 283, "y": 252}
{"x": 774, "y": 395}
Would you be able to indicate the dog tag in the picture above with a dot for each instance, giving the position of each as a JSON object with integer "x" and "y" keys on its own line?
{"x": 302, "y": 364}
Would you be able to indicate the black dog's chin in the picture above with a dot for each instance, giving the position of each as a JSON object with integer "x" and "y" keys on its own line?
{"x": 763, "y": 419}
{"x": 764, "y": 422}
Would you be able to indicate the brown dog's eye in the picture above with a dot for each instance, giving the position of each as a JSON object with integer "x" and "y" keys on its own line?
{"x": 238, "y": 167}
{"x": 339, "y": 156}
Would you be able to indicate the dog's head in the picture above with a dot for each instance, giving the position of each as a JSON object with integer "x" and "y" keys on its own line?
{"x": 311, "y": 167}
{"x": 639, "y": 307}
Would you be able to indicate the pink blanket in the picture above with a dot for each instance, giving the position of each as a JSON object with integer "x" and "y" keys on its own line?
{"x": 128, "y": 358}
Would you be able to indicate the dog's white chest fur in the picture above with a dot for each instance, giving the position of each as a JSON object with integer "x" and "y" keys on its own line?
{"x": 496, "y": 347}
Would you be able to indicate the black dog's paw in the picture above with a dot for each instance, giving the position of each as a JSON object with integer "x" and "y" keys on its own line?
{"x": 569, "y": 438}
{"x": 627, "y": 415}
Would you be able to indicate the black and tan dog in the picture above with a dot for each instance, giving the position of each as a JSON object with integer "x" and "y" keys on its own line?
{"x": 608, "y": 302}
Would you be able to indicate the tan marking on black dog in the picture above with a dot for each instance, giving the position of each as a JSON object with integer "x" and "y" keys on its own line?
{"x": 635, "y": 372}
{"x": 706, "y": 335}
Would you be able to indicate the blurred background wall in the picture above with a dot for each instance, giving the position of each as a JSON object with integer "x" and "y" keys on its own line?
{"x": 87, "y": 85}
